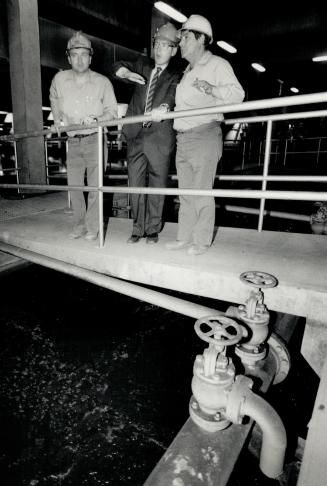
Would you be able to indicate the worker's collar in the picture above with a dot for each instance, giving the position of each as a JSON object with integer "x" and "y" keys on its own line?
{"x": 202, "y": 60}
{"x": 161, "y": 66}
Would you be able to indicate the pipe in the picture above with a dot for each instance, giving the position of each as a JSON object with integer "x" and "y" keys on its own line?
{"x": 126, "y": 288}
{"x": 229, "y": 193}
{"x": 267, "y": 212}
{"x": 274, "y": 439}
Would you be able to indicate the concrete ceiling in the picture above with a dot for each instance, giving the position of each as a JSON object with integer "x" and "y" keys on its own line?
{"x": 283, "y": 36}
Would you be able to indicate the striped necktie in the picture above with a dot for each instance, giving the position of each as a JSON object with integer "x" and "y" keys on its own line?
{"x": 149, "y": 98}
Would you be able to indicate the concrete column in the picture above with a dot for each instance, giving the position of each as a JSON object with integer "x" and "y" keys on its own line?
{"x": 25, "y": 74}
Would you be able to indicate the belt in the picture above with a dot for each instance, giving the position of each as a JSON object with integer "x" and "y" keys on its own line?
{"x": 199, "y": 128}
{"x": 82, "y": 135}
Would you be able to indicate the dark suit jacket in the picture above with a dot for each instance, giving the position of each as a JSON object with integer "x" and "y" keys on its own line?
{"x": 164, "y": 93}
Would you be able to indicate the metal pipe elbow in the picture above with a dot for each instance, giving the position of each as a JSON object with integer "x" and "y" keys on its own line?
{"x": 274, "y": 440}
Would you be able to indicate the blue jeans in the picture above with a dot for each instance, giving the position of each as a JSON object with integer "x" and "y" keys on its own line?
{"x": 198, "y": 153}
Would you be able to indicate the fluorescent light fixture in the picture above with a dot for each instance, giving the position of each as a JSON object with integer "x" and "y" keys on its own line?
{"x": 319, "y": 58}
{"x": 294, "y": 90}
{"x": 50, "y": 117}
{"x": 46, "y": 108}
{"x": 258, "y": 67}
{"x": 170, "y": 11}
{"x": 227, "y": 47}
{"x": 9, "y": 118}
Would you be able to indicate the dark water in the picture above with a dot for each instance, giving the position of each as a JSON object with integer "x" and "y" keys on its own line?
{"x": 95, "y": 385}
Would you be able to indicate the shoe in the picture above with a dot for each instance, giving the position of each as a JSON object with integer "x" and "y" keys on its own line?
{"x": 152, "y": 238}
{"x": 134, "y": 239}
{"x": 197, "y": 249}
{"x": 91, "y": 236}
{"x": 177, "y": 245}
{"x": 77, "y": 233}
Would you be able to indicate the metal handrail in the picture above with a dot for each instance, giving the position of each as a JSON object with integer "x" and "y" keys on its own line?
{"x": 246, "y": 106}
{"x": 262, "y": 194}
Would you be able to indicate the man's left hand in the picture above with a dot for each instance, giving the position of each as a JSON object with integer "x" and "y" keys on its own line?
{"x": 203, "y": 86}
{"x": 157, "y": 112}
{"x": 88, "y": 120}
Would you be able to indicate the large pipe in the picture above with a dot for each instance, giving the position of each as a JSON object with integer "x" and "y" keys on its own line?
{"x": 274, "y": 439}
{"x": 126, "y": 288}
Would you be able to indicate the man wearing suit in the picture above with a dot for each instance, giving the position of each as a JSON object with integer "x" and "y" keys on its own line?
{"x": 150, "y": 145}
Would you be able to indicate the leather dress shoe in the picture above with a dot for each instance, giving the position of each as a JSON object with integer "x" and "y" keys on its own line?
{"x": 152, "y": 238}
{"x": 134, "y": 239}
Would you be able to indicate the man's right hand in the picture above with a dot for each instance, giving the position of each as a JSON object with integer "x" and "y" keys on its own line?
{"x": 58, "y": 127}
{"x": 125, "y": 73}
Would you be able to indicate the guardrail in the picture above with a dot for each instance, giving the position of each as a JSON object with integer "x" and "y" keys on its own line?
{"x": 262, "y": 194}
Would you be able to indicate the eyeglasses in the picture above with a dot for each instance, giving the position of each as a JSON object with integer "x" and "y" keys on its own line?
{"x": 163, "y": 45}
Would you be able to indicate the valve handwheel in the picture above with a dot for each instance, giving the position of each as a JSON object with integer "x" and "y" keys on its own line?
{"x": 258, "y": 279}
{"x": 226, "y": 331}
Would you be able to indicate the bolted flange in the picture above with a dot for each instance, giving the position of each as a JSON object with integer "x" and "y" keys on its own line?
{"x": 209, "y": 423}
{"x": 282, "y": 357}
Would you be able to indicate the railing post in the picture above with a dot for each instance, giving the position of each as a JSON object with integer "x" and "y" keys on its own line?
{"x": 16, "y": 165}
{"x": 100, "y": 184}
{"x": 46, "y": 159}
{"x": 265, "y": 172}
{"x": 318, "y": 151}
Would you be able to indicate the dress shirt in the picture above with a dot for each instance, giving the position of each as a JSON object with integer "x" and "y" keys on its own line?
{"x": 72, "y": 102}
{"x": 219, "y": 73}
{"x": 162, "y": 67}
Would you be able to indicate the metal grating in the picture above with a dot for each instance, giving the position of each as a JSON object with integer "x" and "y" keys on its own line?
{"x": 11, "y": 208}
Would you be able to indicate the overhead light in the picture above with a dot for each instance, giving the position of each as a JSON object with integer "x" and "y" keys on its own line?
{"x": 319, "y": 58}
{"x": 227, "y": 47}
{"x": 46, "y": 108}
{"x": 294, "y": 90}
{"x": 50, "y": 117}
{"x": 258, "y": 67}
{"x": 9, "y": 118}
{"x": 170, "y": 11}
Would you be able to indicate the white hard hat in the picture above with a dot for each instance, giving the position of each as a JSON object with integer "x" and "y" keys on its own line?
{"x": 198, "y": 24}
{"x": 167, "y": 32}
{"x": 79, "y": 40}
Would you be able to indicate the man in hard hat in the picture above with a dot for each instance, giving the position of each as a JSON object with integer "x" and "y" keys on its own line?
{"x": 80, "y": 96}
{"x": 208, "y": 81}
{"x": 150, "y": 145}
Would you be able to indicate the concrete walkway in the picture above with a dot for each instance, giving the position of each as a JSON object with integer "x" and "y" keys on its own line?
{"x": 299, "y": 262}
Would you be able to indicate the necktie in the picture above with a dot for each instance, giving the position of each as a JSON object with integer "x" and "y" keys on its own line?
{"x": 149, "y": 98}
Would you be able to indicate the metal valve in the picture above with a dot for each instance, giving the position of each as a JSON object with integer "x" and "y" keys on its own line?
{"x": 213, "y": 372}
{"x": 255, "y": 316}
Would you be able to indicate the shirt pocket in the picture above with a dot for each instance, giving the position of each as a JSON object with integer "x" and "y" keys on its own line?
{"x": 93, "y": 105}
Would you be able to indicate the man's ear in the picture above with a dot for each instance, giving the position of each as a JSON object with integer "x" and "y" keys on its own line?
{"x": 68, "y": 57}
{"x": 173, "y": 52}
